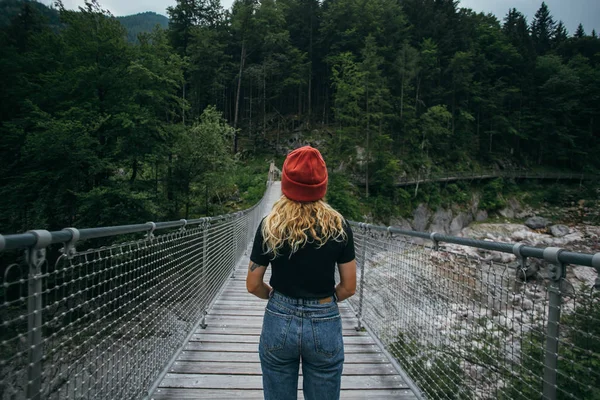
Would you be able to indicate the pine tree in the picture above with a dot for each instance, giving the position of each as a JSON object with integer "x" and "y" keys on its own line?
{"x": 542, "y": 29}
{"x": 580, "y": 32}
{"x": 560, "y": 34}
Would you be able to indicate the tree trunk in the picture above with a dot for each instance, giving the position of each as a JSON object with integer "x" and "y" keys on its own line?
{"x": 367, "y": 151}
{"x": 310, "y": 58}
{"x": 264, "y": 99}
{"x": 299, "y": 100}
{"x": 237, "y": 98}
{"x": 402, "y": 96}
{"x": 250, "y": 124}
{"x": 170, "y": 195}
{"x": 134, "y": 172}
{"x": 183, "y": 106}
{"x": 417, "y": 96}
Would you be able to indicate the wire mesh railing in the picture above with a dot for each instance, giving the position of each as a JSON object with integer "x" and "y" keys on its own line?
{"x": 104, "y": 323}
{"x": 464, "y": 326}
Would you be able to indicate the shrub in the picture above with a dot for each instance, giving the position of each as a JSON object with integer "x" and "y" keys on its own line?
{"x": 491, "y": 198}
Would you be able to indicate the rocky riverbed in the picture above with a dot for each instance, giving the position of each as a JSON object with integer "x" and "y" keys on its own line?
{"x": 476, "y": 305}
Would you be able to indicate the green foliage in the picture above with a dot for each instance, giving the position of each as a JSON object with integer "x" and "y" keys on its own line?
{"x": 491, "y": 196}
{"x": 390, "y": 87}
{"x": 341, "y": 196}
{"x": 457, "y": 193}
{"x": 430, "y": 194}
{"x": 202, "y": 160}
{"x": 115, "y": 205}
{"x": 437, "y": 372}
{"x": 578, "y": 356}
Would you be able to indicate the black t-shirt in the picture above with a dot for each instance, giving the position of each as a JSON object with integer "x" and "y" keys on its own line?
{"x": 309, "y": 272}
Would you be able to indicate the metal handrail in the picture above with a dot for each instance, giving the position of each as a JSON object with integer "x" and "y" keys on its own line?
{"x": 565, "y": 257}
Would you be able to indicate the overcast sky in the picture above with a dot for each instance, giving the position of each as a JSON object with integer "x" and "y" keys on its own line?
{"x": 571, "y": 12}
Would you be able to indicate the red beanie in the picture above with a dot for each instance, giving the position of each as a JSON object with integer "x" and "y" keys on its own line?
{"x": 304, "y": 175}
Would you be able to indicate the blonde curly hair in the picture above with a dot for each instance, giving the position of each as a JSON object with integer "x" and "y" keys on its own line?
{"x": 295, "y": 224}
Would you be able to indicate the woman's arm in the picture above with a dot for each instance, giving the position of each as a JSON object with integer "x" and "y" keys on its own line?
{"x": 347, "y": 285}
{"x": 255, "y": 283}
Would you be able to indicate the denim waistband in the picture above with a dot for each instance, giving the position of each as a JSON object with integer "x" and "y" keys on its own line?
{"x": 292, "y": 300}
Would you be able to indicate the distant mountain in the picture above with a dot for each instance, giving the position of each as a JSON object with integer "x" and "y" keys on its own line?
{"x": 9, "y": 9}
{"x": 142, "y": 22}
{"x": 134, "y": 24}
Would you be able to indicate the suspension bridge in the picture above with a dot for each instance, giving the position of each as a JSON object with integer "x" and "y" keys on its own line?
{"x": 160, "y": 311}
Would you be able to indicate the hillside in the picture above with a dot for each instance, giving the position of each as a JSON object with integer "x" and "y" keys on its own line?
{"x": 134, "y": 24}
{"x": 142, "y": 22}
{"x": 11, "y": 8}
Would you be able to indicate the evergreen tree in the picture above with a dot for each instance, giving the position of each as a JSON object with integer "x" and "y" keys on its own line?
{"x": 542, "y": 29}
{"x": 580, "y": 32}
{"x": 560, "y": 34}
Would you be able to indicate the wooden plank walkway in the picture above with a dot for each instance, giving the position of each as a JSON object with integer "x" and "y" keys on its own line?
{"x": 221, "y": 361}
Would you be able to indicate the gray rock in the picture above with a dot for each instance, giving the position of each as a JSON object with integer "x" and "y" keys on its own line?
{"x": 527, "y": 304}
{"x": 421, "y": 218}
{"x": 507, "y": 212}
{"x": 537, "y": 223}
{"x": 401, "y": 223}
{"x": 462, "y": 220}
{"x": 481, "y": 216}
{"x": 559, "y": 230}
{"x": 441, "y": 221}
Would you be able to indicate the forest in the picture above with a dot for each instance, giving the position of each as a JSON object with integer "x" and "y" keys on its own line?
{"x": 99, "y": 127}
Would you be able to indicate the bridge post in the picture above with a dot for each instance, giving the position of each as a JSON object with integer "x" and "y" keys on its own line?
{"x": 521, "y": 259}
{"x": 234, "y": 239}
{"x": 205, "y": 225}
{"x": 557, "y": 270}
{"x": 363, "y": 257}
{"x": 36, "y": 257}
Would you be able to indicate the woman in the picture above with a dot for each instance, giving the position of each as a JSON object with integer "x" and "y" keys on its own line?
{"x": 302, "y": 238}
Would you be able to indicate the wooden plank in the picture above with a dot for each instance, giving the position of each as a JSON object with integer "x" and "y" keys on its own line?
{"x": 256, "y": 394}
{"x": 252, "y": 321}
{"x": 245, "y": 347}
{"x": 366, "y": 340}
{"x": 194, "y": 393}
{"x": 255, "y": 313}
{"x": 253, "y": 368}
{"x": 252, "y": 356}
{"x": 229, "y": 381}
{"x": 346, "y": 326}
{"x": 232, "y": 330}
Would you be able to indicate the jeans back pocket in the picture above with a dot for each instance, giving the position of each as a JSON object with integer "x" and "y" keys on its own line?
{"x": 275, "y": 330}
{"x": 328, "y": 335}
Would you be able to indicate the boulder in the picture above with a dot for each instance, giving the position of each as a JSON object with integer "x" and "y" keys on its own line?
{"x": 559, "y": 230}
{"x": 537, "y": 223}
{"x": 401, "y": 223}
{"x": 481, "y": 216}
{"x": 461, "y": 221}
{"x": 507, "y": 213}
{"x": 421, "y": 218}
{"x": 441, "y": 221}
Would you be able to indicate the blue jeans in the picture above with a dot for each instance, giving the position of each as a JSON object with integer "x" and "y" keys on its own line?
{"x": 295, "y": 329}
